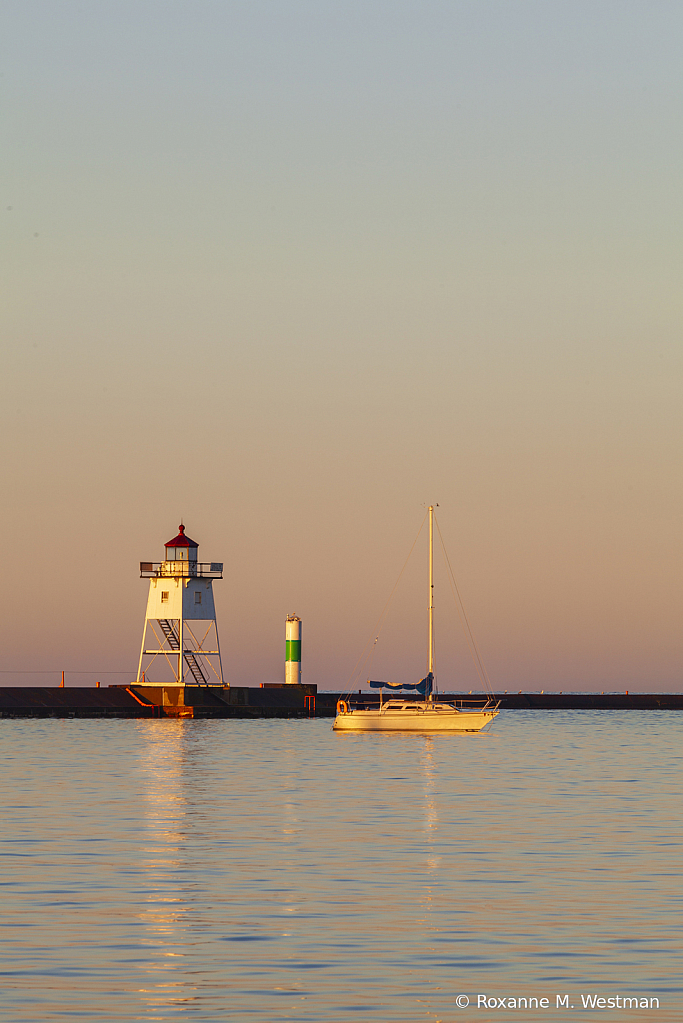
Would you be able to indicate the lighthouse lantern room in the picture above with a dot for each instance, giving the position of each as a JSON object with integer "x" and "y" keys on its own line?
{"x": 180, "y": 623}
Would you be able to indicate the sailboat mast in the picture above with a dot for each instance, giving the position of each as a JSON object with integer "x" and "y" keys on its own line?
{"x": 431, "y": 588}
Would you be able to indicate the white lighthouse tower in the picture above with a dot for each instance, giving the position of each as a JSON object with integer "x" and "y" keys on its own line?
{"x": 180, "y": 622}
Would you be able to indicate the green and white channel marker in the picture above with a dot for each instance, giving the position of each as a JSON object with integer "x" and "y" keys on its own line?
{"x": 293, "y": 651}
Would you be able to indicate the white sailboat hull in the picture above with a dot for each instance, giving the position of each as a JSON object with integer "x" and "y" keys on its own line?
{"x": 411, "y": 716}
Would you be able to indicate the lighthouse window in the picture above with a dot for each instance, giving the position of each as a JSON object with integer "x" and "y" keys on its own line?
{"x": 164, "y": 596}
{"x": 197, "y": 597}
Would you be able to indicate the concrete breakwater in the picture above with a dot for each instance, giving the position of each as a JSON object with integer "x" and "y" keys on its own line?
{"x": 292, "y": 701}
{"x": 137, "y": 701}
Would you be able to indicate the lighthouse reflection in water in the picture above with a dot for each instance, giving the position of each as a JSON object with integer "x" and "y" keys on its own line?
{"x": 165, "y": 912}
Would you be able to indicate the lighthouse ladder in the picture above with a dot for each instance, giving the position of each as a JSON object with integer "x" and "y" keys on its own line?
{"x": 196, "y": 668}
{"x": 169, "y": 631}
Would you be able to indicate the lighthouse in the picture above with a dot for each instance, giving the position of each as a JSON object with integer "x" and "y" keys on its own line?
{"x": 180, "y": 630}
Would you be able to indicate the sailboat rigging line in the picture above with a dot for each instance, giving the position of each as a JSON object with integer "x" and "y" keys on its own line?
{"x": 375, "y": 632}
{"x": 469, "y": 636}
{"x": 372, "y": 656}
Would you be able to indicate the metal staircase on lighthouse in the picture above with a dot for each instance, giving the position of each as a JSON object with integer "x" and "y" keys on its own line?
{"x": 169, "y": 631}
{"x": 181, "y": 617}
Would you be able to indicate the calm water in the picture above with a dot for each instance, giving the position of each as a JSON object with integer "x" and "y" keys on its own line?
{"x": 272, "y": 870}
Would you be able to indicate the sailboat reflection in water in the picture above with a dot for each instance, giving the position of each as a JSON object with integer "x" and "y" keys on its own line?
{"x": 427, "y": 714}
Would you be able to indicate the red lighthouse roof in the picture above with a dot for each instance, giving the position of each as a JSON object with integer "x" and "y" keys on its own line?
{"x": 181, "y": 540}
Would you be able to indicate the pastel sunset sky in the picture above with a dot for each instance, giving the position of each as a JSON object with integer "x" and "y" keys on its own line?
{"x": 293, "y": 270}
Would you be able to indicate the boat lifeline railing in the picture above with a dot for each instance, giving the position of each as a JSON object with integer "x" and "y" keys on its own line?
{"x": 485, "y": 704}
{"x": 362, "y": 700}
{"x": 192, "y": 569}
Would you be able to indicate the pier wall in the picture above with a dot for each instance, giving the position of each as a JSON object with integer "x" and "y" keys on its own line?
{"x": 290, "y": 701}
{"x": 136, "y": 701}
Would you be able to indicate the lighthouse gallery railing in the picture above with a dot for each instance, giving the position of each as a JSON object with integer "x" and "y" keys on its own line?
{"x": 194, "y": 569}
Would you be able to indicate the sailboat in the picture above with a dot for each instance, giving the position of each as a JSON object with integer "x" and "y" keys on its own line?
{"x": 425, "y": 715}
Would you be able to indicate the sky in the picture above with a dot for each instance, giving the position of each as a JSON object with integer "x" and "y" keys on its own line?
{"x": 291, "y": 272}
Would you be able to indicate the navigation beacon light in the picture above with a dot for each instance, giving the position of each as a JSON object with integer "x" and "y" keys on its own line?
{"x": 293, "y": 651}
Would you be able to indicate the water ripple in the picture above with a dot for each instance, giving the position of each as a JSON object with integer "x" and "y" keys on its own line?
{"x": 271, "y": 870}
